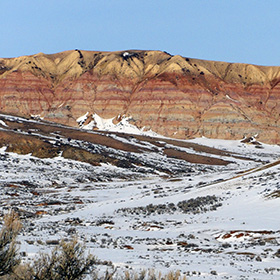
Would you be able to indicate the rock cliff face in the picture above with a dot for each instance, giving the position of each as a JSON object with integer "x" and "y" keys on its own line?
{"x": 172, "y": 95}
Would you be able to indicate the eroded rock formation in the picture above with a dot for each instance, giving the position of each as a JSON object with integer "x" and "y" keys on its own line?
{"x": 172, "y": 95}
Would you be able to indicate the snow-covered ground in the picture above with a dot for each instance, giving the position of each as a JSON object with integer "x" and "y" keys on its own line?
{"x": 208, "y": 221}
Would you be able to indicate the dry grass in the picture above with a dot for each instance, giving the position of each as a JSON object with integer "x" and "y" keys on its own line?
{"x": 274, "y": 194}
{"x": 8, "y": 249}
{"x": 67, "y": 261}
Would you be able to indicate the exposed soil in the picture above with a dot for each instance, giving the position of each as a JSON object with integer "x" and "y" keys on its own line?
{"x": 47, "y": 140}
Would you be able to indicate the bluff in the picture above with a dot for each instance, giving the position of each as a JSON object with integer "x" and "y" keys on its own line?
{"x": 171, "y": 95}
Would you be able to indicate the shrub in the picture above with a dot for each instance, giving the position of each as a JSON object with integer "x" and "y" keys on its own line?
{"x": 152, "y": 275}
{"x": 67, "y": 261}
{"x": 8, "y": 249}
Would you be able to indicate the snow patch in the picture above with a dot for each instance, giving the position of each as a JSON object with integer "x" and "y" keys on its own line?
{"x": 82, "y": 119}
{"x": 123, "y": 125}
{"x": 125, "y": 54}
{"x": 3, "y": 149}
{"x": 3, "y": 123}
{"x": 228, "y": 97}
{"x": 36, "y": 117}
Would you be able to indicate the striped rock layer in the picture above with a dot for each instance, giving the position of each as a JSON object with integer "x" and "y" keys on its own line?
{"x": 171, "y": 95}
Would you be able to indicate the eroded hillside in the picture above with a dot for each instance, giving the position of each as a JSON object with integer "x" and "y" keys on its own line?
{"x": 172, "y": 95}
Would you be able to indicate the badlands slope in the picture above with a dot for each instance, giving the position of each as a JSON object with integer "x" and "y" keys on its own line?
{"x": 171, "y": 95}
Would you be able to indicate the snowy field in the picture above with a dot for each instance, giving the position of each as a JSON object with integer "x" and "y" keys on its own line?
{"x": 208, "y": 221}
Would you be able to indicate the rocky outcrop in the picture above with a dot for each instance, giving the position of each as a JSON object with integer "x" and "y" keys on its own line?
{"x": 172, "y": 95}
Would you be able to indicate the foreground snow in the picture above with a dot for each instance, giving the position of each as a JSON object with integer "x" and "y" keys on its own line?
{"x": 133, "y": 219}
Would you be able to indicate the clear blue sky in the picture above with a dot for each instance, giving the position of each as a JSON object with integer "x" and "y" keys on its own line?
{"x": 226, "y": 30}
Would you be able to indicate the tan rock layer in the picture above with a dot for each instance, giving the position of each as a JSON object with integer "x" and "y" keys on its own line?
{"x": 172, "y": 95}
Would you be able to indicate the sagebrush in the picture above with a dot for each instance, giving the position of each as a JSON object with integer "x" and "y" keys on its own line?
{"x": 67, "y": 261}
{"x": 9, "y": 259}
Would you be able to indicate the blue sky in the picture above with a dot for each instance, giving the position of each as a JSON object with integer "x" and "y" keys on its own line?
{"x": 245, "y": 31}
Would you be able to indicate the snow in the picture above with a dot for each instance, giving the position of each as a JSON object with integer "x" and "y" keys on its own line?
{"x": 227, "y": 240}
{"x": 37, "y": 117}
{"x": 82, "y": 119}
{"x": 151, "y": 251}
{"x": 3, "y": 149}
{"x": 125, "y": 54}
{"x": 238, "y": 147}
{"x": 2, "y": 123}
{"x": 122, "y": 126}
{"x": 228, "y": 97}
